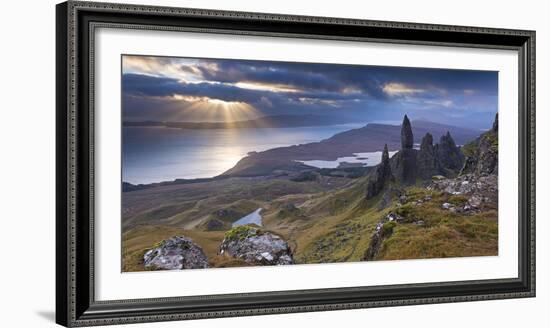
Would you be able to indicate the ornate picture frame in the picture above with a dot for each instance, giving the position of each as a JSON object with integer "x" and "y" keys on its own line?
{"x": 77, "y": 24}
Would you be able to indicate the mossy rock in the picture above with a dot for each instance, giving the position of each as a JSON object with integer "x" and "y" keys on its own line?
{"x": 242, "y": 232}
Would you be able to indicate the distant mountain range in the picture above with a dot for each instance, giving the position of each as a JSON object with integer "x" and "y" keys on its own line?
{"x": 275, "y": 121}
{"x": 369, "y": 138}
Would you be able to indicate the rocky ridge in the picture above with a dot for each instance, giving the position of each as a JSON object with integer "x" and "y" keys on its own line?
{"x": 478, "y": 177}
{"x": 482, "y": 153}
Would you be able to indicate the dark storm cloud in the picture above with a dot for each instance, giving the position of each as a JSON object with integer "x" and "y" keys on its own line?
{"x": 151, "y": 86}
{"x": 313, "y": 77}
{"x": 288, "y": 87}
{"x": 337, "y": 77}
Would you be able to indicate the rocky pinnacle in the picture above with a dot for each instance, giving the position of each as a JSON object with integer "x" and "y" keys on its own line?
{"x": 406, "y": 134}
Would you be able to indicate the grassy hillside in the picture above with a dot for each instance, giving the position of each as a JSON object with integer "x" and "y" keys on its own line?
{"x": 324, "y": 220}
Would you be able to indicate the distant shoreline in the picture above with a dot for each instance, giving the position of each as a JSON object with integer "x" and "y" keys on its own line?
{"x": 276, "y": 121}
{"x": 343, "y": 145}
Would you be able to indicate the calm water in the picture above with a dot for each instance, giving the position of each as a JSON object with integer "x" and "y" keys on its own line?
{"x": 154, "y": 154}
{"x": 366, "y": 159}
{"x": 254, "y": 217}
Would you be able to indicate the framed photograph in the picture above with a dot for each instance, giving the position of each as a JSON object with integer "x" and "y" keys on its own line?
{"x": 215, "y": 163}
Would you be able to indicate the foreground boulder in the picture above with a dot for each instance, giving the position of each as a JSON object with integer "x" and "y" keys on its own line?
{"x": 256, "y": 247}
{"x": 176, "y": 253}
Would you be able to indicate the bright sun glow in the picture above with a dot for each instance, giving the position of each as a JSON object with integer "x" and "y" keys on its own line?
{"x": 394, "y": 89}
{"x": 212, "y": 108}
{"x": 267, "y": 87}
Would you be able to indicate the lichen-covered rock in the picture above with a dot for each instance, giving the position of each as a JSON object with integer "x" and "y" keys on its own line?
{"x": 176, "y": 253}
{"x": 256, "y": 246}
{"x": 480, "y": 191}
{"x": 381, "y": 175}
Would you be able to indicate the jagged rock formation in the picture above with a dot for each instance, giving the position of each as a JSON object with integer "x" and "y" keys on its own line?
{"x": 482, "y": 153}
{"x": 381, "y": 176}
{"x": 256, "y": 246}
{"x": 448, "y": 154}
{"x": 427, "y": 161}
{"x": 478, "y": 179}
{"x": 176, "y": 253}
{"x": 409, "y": 164}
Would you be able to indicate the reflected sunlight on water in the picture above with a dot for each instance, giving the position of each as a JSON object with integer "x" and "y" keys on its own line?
{"x": 154, "y": 154}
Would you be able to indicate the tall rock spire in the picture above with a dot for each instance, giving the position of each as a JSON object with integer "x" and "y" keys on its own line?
{"x": 406, "y": 134}
{"x": 403, "y": 164}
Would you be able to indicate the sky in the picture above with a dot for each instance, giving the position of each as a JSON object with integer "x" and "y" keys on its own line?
{"x": 194, "y": 89}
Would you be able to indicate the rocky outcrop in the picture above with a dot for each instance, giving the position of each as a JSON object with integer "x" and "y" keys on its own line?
{"x": 381, "y": 175}
{"x": 479, "y": 192}
{"x": 409, "y": 164}
{"x": 448, "y": 154}
{"x": 176, "y": 253}
{"x": 427, "y": 162}
{"x": 382, "y": 231}
{"x": 256, "y": 246}
{"x": 482, "y": 153}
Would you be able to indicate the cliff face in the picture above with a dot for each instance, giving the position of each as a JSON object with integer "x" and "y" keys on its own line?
{"x": 482, "y": 153}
